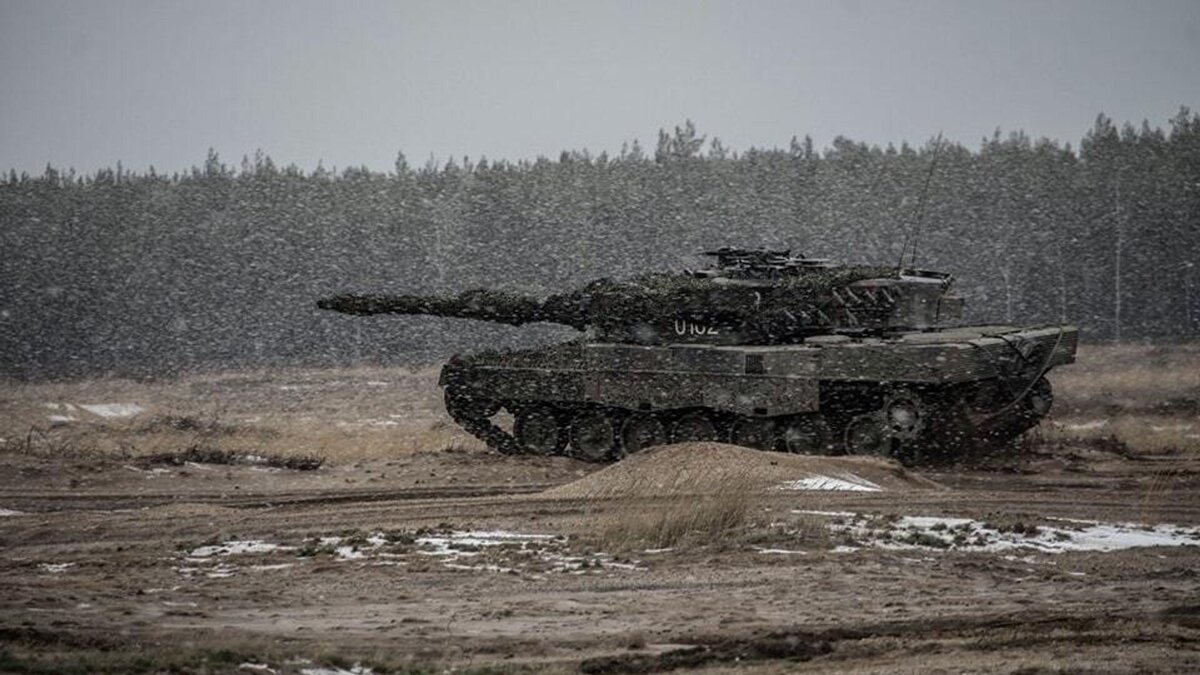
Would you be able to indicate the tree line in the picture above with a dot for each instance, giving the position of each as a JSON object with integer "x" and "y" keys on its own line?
{"x": 141, "y": 273}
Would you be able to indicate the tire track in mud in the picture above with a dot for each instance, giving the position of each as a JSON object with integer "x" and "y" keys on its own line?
{"x": 272, "y": 515}
{"x": 1173, "y": 626}
{"x": 50, "y": 502}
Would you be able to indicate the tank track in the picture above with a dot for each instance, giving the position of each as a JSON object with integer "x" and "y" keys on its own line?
{"x": 475, "y": 419}
{"x": 949, "y": 427}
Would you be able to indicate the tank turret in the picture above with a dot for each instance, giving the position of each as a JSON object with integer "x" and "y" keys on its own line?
{"x": 749, "y": 296}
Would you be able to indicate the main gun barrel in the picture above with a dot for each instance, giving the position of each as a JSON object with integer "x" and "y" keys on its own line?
{"x": 483, "y": 305}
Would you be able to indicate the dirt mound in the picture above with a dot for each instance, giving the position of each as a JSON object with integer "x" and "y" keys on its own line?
{"x": 701, "y": 468}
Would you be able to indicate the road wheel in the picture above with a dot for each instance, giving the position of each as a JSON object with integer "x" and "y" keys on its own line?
{"x": 753, "y": 432}
{"x": 905, "y": 415}
{"x": 694, "y": 427}
{"x": 867, "y": 435}
{"x": 951, "y": 430}
{"x": 594, "y": 436}
{"x": 642, "y": 431}
{"x": 806, "y": 435}
{"x": 538, "y": 431}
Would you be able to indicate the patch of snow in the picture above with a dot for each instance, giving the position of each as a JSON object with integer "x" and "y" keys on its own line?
{"x": 113, "y": 410}
{"x": 151, "y": 473}
{"x": 910, "y": 532}
{"x": 1117, "y": 537}
{"x": 56, "y": 568}
{"x": 1086, "y": 426}
{"x": 454, "y": 550}
{"x": 840, "y": 483}
{"x": 1172, "y": 427}
{"x": 356, "y": 669}
{"x": 235, "y": 548}
{"x": 449, "y": 544}
{"x": 659, "y": 550}
{"x": 257, "y": 667}
{"x": 168, "y": 603}
{"x": 831, "y": 514}
{"x": 10, "y": 512}
{"x": 355, "y": 551}
{"x": 61, "y": 418}
{"x": 377, "y": 383}
{"x": 221, "y": 572}
{"x": 350, "y": 553}
{"x": 927, "y": 522}
{"x": 781, "y": 551}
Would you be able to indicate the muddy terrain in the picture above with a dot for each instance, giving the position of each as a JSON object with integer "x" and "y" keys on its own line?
{"x": 336, "y": 522}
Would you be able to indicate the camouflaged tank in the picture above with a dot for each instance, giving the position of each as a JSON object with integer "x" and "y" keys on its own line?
{"x": 763, "y": 349}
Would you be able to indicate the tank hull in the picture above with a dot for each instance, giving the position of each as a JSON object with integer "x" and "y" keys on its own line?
{"x": 907, "y": 394}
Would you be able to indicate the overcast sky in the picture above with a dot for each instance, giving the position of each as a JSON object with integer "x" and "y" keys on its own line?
{"x": 90, "y": 82}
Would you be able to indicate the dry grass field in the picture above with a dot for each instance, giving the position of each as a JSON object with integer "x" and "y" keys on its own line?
{"x": 338, "y": 415}
{"x": 1145, "y": 396}
{"x": 319, "y": 522}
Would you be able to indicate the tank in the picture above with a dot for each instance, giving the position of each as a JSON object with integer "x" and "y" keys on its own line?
{"x": 761, "y": 348}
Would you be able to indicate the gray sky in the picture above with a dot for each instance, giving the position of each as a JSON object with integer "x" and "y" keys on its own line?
{"x": 90, "y": 82}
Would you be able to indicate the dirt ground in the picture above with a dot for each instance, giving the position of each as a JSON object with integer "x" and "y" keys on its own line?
{"x": 336, "y": 522}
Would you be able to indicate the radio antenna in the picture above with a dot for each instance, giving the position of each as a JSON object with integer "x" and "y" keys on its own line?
{"x": 914, "y": 230}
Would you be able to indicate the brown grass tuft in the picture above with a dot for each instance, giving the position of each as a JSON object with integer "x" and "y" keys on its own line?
{"x": 681, "y": 520}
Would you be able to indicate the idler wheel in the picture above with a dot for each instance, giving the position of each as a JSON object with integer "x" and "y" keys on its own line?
{"x": 753, "y": 432}
{"x": 867, "y": 435}
{"x": 1040, "y": 398}
{"x": 807, "y": 435}
{"x": 463, "y": 406}
{"x": 538, "y": 431}
{"x": 642, "y": 431}
{"x": 594, "y": 436}
{"x": 694, "y": 427}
